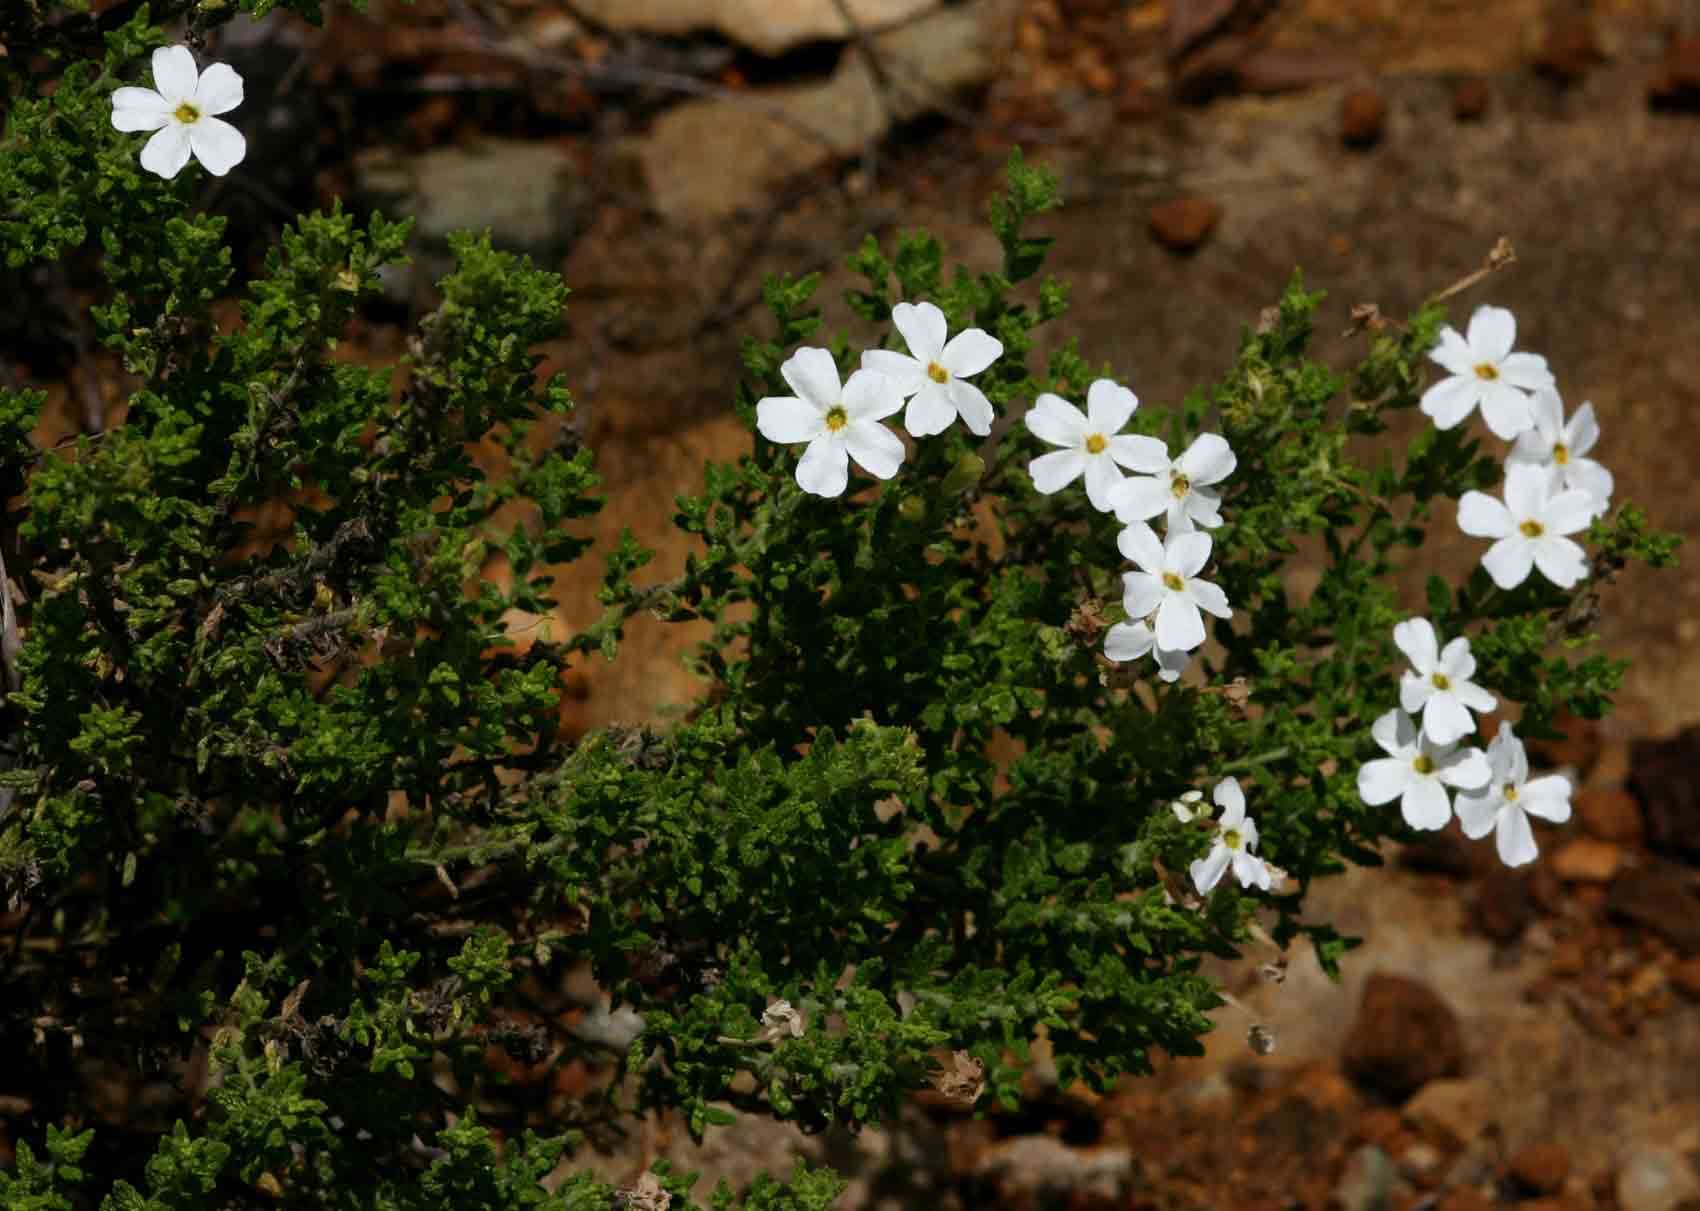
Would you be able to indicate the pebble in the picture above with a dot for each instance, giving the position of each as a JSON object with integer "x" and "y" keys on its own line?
{"x": 1183, "y": 224}
{"x": 1586, "y": 860}
{"x": 1659, "y": 896}
{"x": 1503, "y": 907}
{"x": 1459, "y": 1110}
{"x": 1663, "y": 776}
{"x": 1403, "y": 1037}
{"x": 1685, "y": 977}
{"x": 1363, "y": 114}
{"x": 1655, "y": 1179}
{"x": 1541, "y": 1167}
{"x": 1610, "y": 813}
{"x": 1465, "y": 1198}
{"x": 1368, "y": 1181}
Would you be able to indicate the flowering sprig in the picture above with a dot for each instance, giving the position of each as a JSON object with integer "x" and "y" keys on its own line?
{"x": 182, "y": 109}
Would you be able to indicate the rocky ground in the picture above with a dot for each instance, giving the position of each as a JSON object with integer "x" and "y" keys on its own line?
{"x": 1528, "y": 1038}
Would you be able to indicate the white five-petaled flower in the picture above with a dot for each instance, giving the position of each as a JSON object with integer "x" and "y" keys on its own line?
{"x": 839, "y": 423}
{"x": 1530, "y": 527}
{"x": 1483, "y": 370}
{"x": 1180, "y": 489}
{"x": 1560, "y": 447}
{"x": 1437, "y": 685}
{"x": 180, "y": 107}
{"x": 1505, "y": 804}
{"x": 1417, "y": 772}
{"x": 1166, "y": 583}
{"x": 931, "y": 375}
{"x": 1130, "y": 640}
{"x": 1236, "y": 837}
{"x": 1092, "y": 444}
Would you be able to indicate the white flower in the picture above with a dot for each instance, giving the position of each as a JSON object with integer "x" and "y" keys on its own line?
{"x": 181, "y": 111}
{"x": 1531, "y": 526}
{"x": 1438, "y": 685}
{"x": 839, "y": 423}
{"x": 1190, "y": 807}
{"x": 1180, "y": 489}
{"x": 931, "y": 375}
{"x": 1165, "y": 584}
{"x": 1092, "y": 444}
{"x": 1417, "y": 771}
{"x": 1236, "y": 837}
{"x": 1510, "y": 798}
{"x": 1560, "y": 447}
{"x": 1130, "y": 640}
{"x": 1484, "y": 371}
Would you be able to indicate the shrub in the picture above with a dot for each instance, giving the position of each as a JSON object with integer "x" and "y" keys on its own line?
{"x": 289, "y": 831}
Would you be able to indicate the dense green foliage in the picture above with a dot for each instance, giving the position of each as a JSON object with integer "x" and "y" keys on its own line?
{"x": 295, "y": 815}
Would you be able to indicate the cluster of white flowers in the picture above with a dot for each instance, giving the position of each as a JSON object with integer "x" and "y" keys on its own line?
{"x": 1552, "y": 489}
{"x": 182, "y": 108}
{"x": 1234, "y": 839}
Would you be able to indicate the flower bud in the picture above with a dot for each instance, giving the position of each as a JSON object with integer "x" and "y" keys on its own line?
{"x": 965, "y": 474}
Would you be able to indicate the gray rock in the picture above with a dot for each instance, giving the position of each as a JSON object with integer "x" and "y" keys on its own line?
{"x": 1655, "y": 1179}
{"x": 711, "y": 158}
{"x": 1368, "y": 1182}
{"x": 770, "y": 27}
{"x": 529, "y": 195}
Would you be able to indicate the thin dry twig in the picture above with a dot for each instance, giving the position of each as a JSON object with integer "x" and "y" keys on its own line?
{"x": 1498, "y": 257}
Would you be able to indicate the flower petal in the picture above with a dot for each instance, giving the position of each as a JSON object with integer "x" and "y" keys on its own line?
{"x": 1383, "y": 780}
{"x": 1506, "y": 410}
{"x": 1526, "y": 370}
{"x": 217, "y": 144}
{"x": 971, "y": 404}
{"x": 1455, "y": 659}
{"x": 1474, "y": 696}
{"x": 1102, "y": 478}
{"x": 1569, "y": 512}
{"x": 1493, "y": 330}
{"x": 1209, "y": 460}
{"x": 1527, "y": 490}
{"x": 824, "y": 468}
{"x": 1180, "y": 627}
{"x": 1170, "y": 665}
{"x": 813, "y": 375}
{"x": 923, "y": 328}
{"x": 1416, "y": 638}
{"x": 1054, "y": 420}
{"x": 909, "y": 374}
{"x": 1453, "y": 352}
{"x": 1509, "y": 560}
{"x": 1137, "y": 452}
{"x": 1056, "y": 470}
{"x": 1140, "y": 498}
{"x": 1583, "y": 430}
{"x": 1425, "y": 804}
{"x": 1396, "y": 733}
{"x": 1201, "y": 508}
{"x": 876, "y": 449}
{"x": 219, "y": 90}
{"x": 1252, "y": 871}
{"x": 1450, "y": 400}
{"x": 1414, "y": 691}
{"x": 136, "y": 109}
{"x": 1547, "y": 797}
{"x": 1466, "y": 769}
{"x": 1229, "y": 796}
{"x": 1188, "y": 553}
{"x": 1138, "y": 543}
{"x": 1481, "y": 516}
{"x": 174, "y": 74}
{"x": 1109, "y": 405}
{"x": 786, "y": 419}
{"x": 970, "y": 352}
{"x": 1128, "y": 641}
{"x": 870, "y": 395}
{"x": 1478, "y": 809}
{"x": 1514, "y": 839}
{"x": 1445, "y": 721}
{"x": 1210, "y": 598}
{"x": 168, "y": 150}
{"x": 1560, "y": 560}
{"x": 1548, "y": 415}
{"x": 930, "y": 411}
{"x": 1207, "y": 871}
{"x": 1141, "y": 593}
{"x": 1586, "y": 475}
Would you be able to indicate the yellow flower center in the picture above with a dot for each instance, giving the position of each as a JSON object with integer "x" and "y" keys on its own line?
{"x": 1180, "y": 485}
{"x": 187, "y": 114}
{"x": 937, "y": 373}
{"x": 1231, "y": 838}
{"x": 1487, "y": 371}
{"x": 1173, "y": 583}
{"x": 1441, "y": 681}
{"x": 1561, "y": 454}
{"x": 1424, "y": 764}
{"x": 1096, "y": 443}
{"x": 1509, "y": 793}
{"x": 1532, "y": 529}
{"x": 837, "y": 417}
